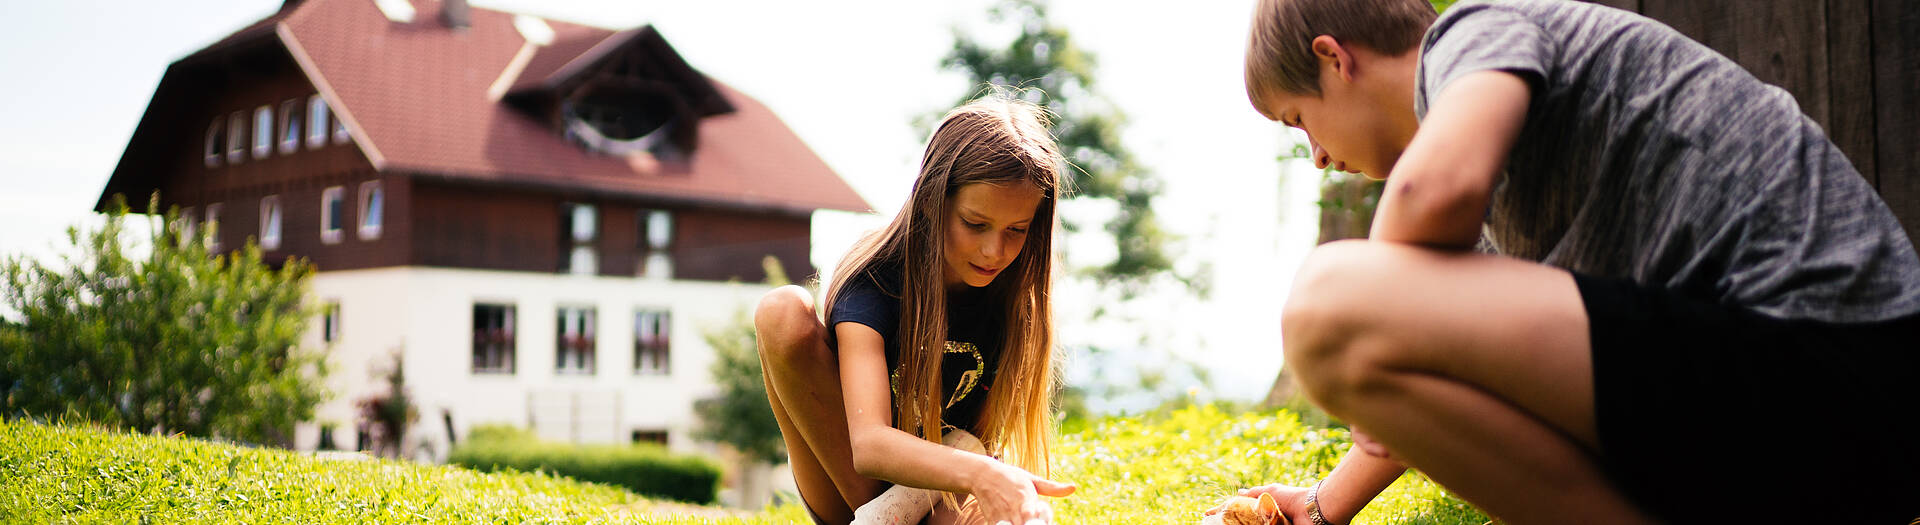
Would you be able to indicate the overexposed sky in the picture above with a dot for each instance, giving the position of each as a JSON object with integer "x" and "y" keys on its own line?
{"x": 847, "y": 75}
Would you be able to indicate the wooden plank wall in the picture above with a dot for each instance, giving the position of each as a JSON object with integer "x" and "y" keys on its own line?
{"x": 1854, "y": 66}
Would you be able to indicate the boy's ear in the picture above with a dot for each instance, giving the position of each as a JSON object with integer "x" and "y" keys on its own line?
{"x": 1332, "y": 54}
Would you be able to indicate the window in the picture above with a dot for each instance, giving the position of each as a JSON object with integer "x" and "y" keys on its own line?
{"x": 493, "y": 338}
{"x": 289, "y": 126}
{"x": 575, "y": 342}
{"x": 333, "y": 214}
{"x": 270, "y": 222}
{"x": 212, "y": 150}
{"x": 581, "y": 224}
{"x": 650, "y": 436}
{"x": 657, "y": 227}
{"x": 185, "y": 223}
{"x": 236, "y": 137}
{"x": 650, "y": 348}
{"x": 340, "y": 135}
{"x": 330, "y": 322}
{"x": 262, "y": 132}
{"x": 213, "y": 227}
{"x": 372, "y": 200}
{"x": 316, "y": 122}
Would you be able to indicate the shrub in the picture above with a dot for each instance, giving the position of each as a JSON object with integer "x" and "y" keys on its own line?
{"x": 173, "y": 342}
{"x": 61, "y": 474}
{"x": 644, "y": 468}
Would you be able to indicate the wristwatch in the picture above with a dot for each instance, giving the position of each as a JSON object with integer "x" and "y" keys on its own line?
{"x": 1313, "y": 506}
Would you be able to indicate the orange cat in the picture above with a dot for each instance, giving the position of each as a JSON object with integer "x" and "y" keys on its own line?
{"x": 1242, "y": 510}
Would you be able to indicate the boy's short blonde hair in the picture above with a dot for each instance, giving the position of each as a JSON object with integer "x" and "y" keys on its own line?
{"x": 1280, "y": 46}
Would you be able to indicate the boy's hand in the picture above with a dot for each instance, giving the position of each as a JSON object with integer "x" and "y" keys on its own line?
{"x": 1291, "y": 500}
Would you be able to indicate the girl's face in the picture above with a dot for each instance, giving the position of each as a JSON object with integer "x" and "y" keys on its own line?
{"x": 986, "y": 227}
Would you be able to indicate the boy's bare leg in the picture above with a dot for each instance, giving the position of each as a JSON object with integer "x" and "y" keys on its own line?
{"x": 1475, "y": 369}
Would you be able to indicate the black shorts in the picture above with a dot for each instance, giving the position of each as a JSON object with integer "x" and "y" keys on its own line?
{"x": 1711, "y": 414}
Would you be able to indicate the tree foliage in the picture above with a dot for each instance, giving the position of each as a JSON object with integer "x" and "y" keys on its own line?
{"x": 177, "y": 343}
{"x": 740, "y": 415}
{"x": 1043, "y": 65}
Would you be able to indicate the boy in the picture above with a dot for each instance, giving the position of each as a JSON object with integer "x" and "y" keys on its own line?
{"x": 1699, "y": 310}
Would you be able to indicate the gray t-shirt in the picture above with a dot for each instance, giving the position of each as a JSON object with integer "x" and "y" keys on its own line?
{"x": 1648, "y": 156}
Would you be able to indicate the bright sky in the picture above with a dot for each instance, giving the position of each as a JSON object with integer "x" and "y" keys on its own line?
{"x": 847, "y": 75}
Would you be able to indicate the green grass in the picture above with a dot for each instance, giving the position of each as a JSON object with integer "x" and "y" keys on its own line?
{"x": 60, "y": 474}
{"x": 1161, "y": 468}
{"x": 1168, "y": 467}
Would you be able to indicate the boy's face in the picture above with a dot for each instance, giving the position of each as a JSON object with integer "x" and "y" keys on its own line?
{"x": 1351, "y": 124}
{"x": 1346, "y": 134}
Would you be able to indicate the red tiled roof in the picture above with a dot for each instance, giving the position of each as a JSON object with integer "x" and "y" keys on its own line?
{"x": 415, "y": 97}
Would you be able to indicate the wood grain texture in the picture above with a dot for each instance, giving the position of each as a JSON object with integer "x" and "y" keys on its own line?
{"x": 1896, "y": 97}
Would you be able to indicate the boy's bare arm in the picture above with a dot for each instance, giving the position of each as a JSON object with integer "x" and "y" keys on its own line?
{"x": 1440, "y": 187}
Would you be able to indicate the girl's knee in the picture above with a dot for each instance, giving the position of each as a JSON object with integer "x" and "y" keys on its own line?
{"x": 785, "y": 322}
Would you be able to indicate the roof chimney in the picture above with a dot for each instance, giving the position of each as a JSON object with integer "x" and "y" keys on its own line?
{"x": 454, "y": 14}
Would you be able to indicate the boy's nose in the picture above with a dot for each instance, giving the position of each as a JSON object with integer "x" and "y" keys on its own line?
{"x": 1320, "y": 157}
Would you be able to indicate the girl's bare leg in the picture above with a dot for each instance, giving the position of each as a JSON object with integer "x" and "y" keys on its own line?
{"x": 1475, "y": 369}
{"x": 803, "y": 386}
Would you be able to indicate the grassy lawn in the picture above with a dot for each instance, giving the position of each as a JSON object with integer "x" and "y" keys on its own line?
{"x": 1161, "y": 468}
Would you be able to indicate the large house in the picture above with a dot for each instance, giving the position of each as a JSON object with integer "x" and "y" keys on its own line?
{"x": 541, "y": 217}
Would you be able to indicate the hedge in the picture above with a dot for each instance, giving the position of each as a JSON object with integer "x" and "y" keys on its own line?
{"x": 67, "y": 474}
{"x": 644, "y": 468}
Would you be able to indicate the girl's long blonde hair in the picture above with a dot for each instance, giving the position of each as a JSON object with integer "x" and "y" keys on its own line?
{"x": 996, "y": 140}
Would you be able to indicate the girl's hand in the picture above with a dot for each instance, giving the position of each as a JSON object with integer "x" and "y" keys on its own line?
{"x": 1004, "y": 493}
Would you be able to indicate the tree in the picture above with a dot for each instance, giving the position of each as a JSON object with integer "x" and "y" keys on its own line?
{"x": 1045, "y": 67}
{"x": 740, "y": 416}
{"x": 178, "y": 343}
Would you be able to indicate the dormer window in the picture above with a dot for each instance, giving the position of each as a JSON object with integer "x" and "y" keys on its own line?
{"x": 212, "y": 150}
{"x": 289, "y": 127}
{"x": 236, "y": 137}
{"x": 316, "y": 122}
{"x": 623, "y": 121}
{"x": 262, "y": 132}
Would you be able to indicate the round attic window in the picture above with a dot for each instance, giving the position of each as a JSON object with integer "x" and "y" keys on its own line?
{"x": 620, "y": 121}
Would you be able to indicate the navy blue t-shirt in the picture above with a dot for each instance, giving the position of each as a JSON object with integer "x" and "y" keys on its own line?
{"x": 974, "y": 335}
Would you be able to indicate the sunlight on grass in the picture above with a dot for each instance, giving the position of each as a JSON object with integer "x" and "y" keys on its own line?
{"x": 1158, "y": 468}
{"x": 1167, "y": 468}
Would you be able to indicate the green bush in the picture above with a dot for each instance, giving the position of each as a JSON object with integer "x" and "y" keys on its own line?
{"x": 61, "y": 474}
{"x": 169, "y": 342}
{"x": 644, "y": 468}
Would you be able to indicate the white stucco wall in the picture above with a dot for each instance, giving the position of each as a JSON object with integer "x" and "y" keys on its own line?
{"x": 428, "y": 312}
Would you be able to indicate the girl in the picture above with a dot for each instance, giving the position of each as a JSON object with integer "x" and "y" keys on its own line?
{"x": 940, "y": 321}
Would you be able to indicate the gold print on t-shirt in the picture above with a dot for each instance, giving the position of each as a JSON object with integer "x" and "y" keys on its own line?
{"x": 968, "y": 379}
